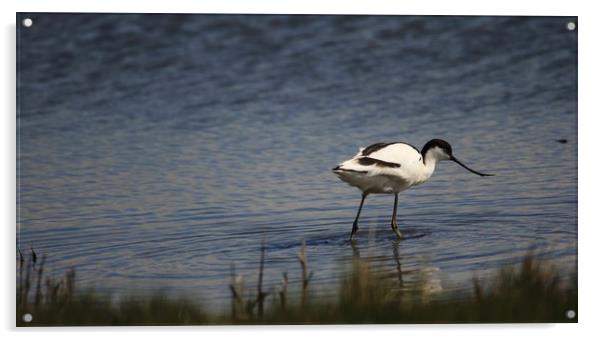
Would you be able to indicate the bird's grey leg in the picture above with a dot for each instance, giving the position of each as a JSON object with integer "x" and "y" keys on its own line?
{"x": 357, "y": 217}
{"x": 394, "y": 219}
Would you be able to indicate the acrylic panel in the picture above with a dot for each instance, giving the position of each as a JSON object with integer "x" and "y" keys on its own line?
{"x": 190, "y": 169}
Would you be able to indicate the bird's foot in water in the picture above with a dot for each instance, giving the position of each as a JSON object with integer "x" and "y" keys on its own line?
{"x": 353, "y": 232}
{"x": 396, "y": 231}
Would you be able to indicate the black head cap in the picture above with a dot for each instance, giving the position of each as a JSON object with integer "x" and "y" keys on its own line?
{"x": 433, "y": 143}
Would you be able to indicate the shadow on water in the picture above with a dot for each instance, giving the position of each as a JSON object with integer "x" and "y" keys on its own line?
{"x": 342, "y": 239}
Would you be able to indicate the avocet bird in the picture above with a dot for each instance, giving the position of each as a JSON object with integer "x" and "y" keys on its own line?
{"x": 390, "y": 168}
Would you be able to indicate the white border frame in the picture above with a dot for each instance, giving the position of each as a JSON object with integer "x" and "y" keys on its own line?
{"x": 589, "y": 119}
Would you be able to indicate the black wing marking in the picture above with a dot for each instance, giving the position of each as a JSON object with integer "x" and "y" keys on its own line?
{"x": 375, "y": 147}
{"x": 378, "y": 162}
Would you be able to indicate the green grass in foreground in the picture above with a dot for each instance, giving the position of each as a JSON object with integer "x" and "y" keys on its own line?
{"x": 530, "y": 293}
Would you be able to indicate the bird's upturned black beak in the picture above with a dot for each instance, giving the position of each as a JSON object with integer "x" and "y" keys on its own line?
{"x": 452, "y": 158}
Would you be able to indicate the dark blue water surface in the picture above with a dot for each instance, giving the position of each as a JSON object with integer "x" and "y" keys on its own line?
{"x": 154, "y": 151}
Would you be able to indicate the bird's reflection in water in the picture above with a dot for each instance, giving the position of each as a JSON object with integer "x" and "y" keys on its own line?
{"x": 356, "y": 255}
{"x": 355, "y": 249}
{"x": 395, "y": 245}
{"x": 403, "y": 272}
